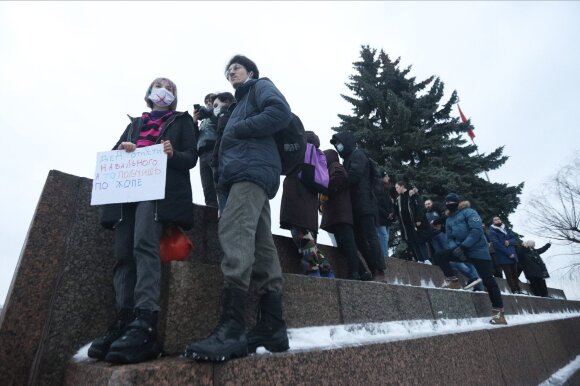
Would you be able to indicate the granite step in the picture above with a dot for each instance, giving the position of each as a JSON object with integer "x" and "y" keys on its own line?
{"x": 193, "y": 287}
{"x": 511, "y": 355}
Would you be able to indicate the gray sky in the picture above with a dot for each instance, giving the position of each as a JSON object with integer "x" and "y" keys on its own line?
{"x": 71, "y": 71}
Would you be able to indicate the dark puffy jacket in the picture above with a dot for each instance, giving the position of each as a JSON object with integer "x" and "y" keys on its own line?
{"x": 463, "y": 229}
{"x": 531, "y": 261}
{"x": 338, "y": 208}
{"x": 177, "y": 206}
{"x": 299, "y": 206}
{"x": 357, "y": 166}
{"x": 502, "y": 253}
{"x": 248, "y": 151}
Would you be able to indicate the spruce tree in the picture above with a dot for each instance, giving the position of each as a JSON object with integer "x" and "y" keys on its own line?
{"x": 403, "y": 124}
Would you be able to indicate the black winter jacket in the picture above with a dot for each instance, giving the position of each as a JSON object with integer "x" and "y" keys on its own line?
{"x": 531, "y": 261}
{"x": 338, "y": 208}
{"x": 357, "y": 166}
{"x": 177, "y": 206}
{"x": 248, "y": 151}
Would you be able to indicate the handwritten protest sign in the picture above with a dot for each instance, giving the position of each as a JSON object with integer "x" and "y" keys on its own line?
{"x": 130, "y": 177}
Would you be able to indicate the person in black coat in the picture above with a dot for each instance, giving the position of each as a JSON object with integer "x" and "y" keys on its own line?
{"x": 534, "y": 267}
{"x": 364, "y": 204}
{"x": 337, "y": 216}
{"x": 415, "y": 228}
{"x": 138, "y": 227}
{"x": 385, "y": 216}
{"x": 299, "y": 214}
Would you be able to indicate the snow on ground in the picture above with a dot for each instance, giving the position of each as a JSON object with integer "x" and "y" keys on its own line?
{"x": 332, "y": 337}
{"x": 561, "y": 376}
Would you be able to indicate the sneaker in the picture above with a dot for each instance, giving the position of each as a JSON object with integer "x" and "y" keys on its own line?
{"x": 427, "y": 262}
{"x": 472, "y": 283}
{"x": 497, "y": 317}
{"x": 451, "y": 283}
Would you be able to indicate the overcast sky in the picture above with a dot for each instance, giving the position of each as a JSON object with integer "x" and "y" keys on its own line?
{"x": 71, "y": 71}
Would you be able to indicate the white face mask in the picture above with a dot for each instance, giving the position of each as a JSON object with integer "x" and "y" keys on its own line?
{"x": 217, "y": 111}
{"x": 161, "y": 97}
{"x": 339, "y": 147}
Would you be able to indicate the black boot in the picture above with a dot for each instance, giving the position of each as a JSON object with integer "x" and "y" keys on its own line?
{"x": 100, "y": 346}
{"x": 228, "y": 339}
{"x": 139, "y": 343}
{"x": 270, "y": 330}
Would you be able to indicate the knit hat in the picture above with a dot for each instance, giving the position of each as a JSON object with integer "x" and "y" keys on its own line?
{"x": 452, "y": 197}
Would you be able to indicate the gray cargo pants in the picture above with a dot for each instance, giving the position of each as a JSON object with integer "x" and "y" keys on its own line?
{"x": 137, "y": 274}
{"x": 245, "y": 235}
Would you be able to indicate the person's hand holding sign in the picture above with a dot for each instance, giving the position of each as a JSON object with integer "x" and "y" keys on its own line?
{"x": 167, "y": 148}
{"x": 127, "y": 146}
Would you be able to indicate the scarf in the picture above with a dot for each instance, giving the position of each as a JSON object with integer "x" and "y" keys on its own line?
{"x": 151, "y": 128}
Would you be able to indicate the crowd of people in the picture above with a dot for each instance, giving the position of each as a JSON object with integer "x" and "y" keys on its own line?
{"x": 232, "y": 136}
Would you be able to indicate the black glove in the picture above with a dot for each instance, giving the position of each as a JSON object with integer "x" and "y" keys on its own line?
{"x": 458, "y": 253}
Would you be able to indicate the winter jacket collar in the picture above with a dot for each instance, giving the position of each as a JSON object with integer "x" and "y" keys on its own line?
{"x": 500, "y": 228}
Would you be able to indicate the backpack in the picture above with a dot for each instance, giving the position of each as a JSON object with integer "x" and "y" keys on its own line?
{"x": 291, "y": 141}
{"x": 376, "y": 172}
{"x": 314, "y": 172}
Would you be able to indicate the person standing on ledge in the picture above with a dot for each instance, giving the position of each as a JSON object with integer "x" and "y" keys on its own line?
{"x": 138, "y": 226}
{"x": 249, "y": 175}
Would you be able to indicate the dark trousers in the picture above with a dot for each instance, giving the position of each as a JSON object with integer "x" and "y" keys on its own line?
{"x": 538, "y": 286}
{"x": 367, "y": 241}
{"x": 207, "y": 182}
{"x": 484, "y": 269}
{"x": 511, "y": 275}
{"x": 419, "y": 250}
{"x": 344, "y": 236}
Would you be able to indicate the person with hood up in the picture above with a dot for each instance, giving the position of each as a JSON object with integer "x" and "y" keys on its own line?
{"x": 364, "y": 204}
{"x": 299, "y": 214}
{"x": 337, "y": 216}
{"x": 467, "y": 243}
{"x": 504, "y": 244}
{"x": 138, "y": 227}
{"x": 249, "y": 175}
{"x": 534, "y": 267}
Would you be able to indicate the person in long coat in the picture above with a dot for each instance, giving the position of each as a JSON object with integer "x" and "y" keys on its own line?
{"x": 533, "y": 266}
{"x": 299, "y": 214}
{"x": 337, "y": 216}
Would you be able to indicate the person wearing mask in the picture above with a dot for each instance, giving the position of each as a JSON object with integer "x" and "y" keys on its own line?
{"x": 364, "y": 204}
{"x": 439, "y": 243}
{"x": 337, "y": 218}
{"x": 223, "y": 105}
{"x": 249, "y": 173}
{"x": 533, "y": 266}
{"x": 467, "y": 243}
{"x": 504, "y": 244}
{"x": 138, "y": 226}
{"x": 205, "y": 143}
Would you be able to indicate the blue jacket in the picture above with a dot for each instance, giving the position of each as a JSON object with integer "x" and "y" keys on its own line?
{"x": 463, "y": 229}
{"x": 502, "y": 253}
{"x": 248, "y": 151}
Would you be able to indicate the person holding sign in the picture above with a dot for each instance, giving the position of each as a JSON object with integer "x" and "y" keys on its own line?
{"x": 138, "y": 226}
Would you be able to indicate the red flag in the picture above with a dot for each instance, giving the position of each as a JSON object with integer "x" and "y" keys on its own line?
{"x": 464, "y": 120}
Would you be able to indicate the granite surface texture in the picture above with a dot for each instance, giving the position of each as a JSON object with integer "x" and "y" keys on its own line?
{"x": 61, "y": 298}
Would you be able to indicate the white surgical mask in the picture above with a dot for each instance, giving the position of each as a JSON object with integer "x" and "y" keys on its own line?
{"x": 339, "y": 147}
{"x": 217, "y": 111}
{"x": 161, "y": 97}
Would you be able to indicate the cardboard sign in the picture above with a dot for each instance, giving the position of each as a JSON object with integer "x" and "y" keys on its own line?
{"x": 130, "y": 177}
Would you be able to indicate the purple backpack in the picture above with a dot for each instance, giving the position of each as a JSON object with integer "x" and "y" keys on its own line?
{"x": 314, "y": 171}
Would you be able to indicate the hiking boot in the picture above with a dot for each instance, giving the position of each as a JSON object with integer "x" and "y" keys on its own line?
{"x": 451, "y": 283}
{"x": 228, "y": 339}
{"x": 139, "y": 342}
{"x": 270, "y": 330}
{"x": 497, "y": 317}
{"x": 471, "y": 283}
{"x": 100, "y": 346}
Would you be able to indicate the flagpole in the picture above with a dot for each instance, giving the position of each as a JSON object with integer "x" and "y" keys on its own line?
{"x": 477, "y": 151}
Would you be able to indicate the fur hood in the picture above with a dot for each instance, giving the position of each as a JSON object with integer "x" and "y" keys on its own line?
{"x": 463, "y": 205}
